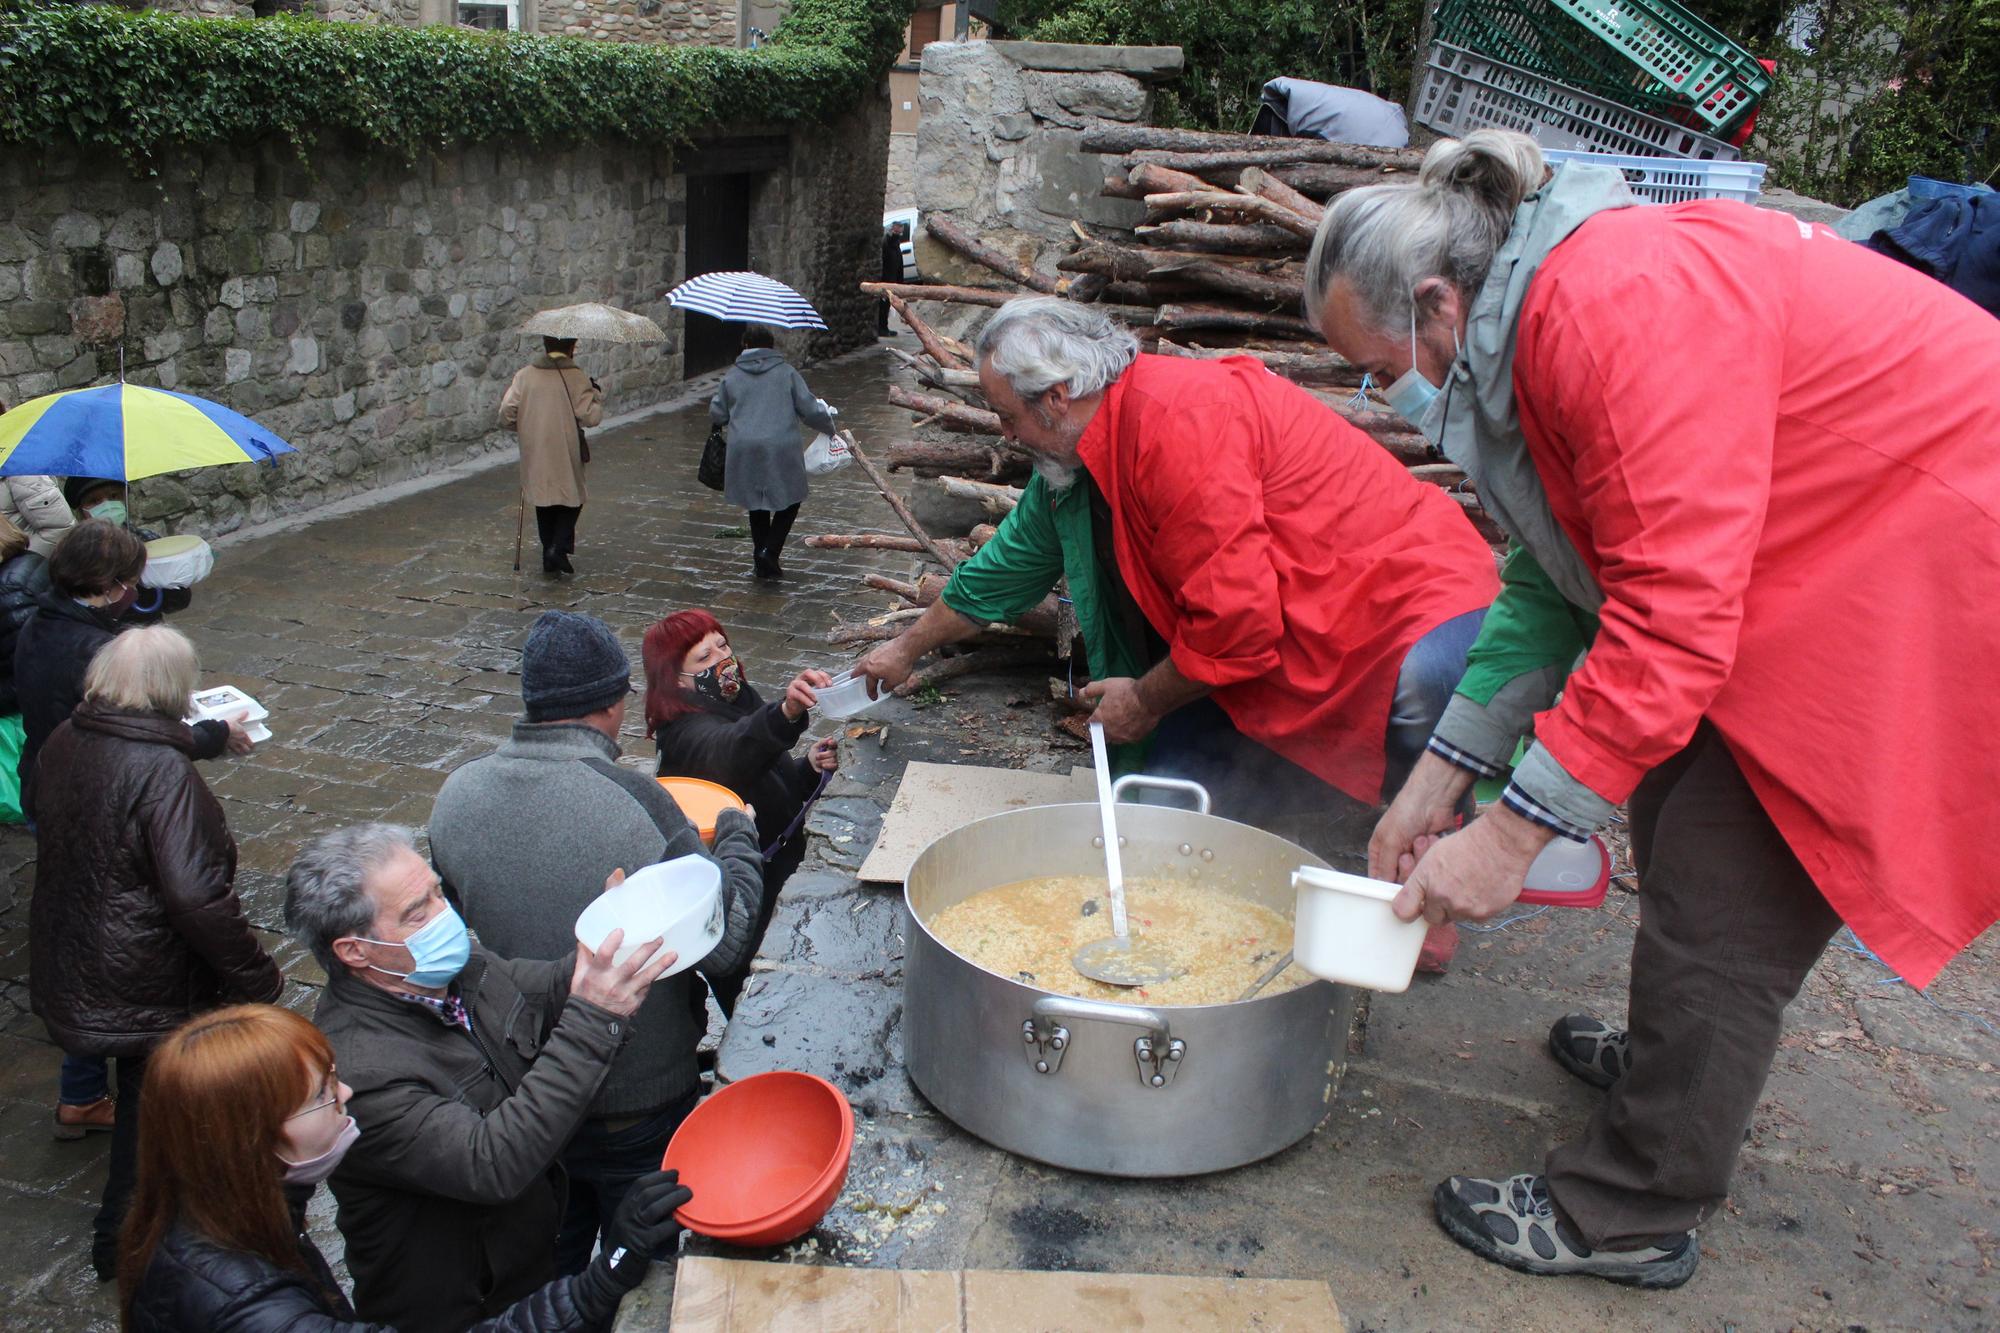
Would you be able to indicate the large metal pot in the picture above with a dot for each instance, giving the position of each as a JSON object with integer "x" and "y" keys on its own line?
{"x": 1118, "y": 1089}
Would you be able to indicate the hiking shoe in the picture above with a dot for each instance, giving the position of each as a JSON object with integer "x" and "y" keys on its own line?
{"x": 1514, "y": 1222}
{"x": 73, "y": 1122}
{"x": 1591, "y": 1049}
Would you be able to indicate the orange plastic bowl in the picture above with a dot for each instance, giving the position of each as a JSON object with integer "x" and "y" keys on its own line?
{"x": 765, "y": 1157}
{"x": 702, "y": 802}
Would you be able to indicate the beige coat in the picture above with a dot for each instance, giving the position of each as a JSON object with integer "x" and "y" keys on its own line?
{"x": 36, "y": 506}
{"x": 544, "y": 405}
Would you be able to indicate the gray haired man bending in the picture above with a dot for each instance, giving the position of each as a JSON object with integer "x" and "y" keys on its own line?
{"x": 470, "y": 1072}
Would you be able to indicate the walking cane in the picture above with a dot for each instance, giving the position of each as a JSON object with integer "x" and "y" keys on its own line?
{"x": 520, "y": 520}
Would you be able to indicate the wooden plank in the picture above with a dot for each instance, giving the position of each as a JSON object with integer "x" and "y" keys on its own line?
{"x": 934, "y": 799}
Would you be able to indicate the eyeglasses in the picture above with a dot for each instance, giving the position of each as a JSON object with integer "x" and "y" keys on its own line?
{"x": 331, "y": 1077}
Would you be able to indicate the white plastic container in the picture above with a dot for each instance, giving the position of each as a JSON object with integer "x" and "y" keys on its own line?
{"x": 226, "y": 701}
{"x": 678, "y": 902}
{"x": 1343, "y": 931}
{"x": 847, "y": 696}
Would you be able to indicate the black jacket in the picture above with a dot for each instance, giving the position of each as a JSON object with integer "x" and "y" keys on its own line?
{"x": 746, "y": 745}
{"x": 450, "y": 1199}
{"x": 24, "y": 581}
{"x": 134, "y": 926}
{"x": 193, "y": 1285}
{"x": 51, "y": 653}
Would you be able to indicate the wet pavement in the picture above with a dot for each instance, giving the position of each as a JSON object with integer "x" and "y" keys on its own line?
{"x": 385, "y": 643}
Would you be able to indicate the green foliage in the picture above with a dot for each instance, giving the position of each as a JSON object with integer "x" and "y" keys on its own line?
{"x": 98, "y": 75}
{"x": 1884, "y": 91}
{"x": 1233, "y": 46}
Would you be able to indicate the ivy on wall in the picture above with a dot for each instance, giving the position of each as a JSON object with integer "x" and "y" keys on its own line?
{"x": 139, "y": 82}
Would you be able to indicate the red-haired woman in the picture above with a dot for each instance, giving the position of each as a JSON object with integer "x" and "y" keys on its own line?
{"x": 710, "y": 723}
{"x": 244, "y": 1116}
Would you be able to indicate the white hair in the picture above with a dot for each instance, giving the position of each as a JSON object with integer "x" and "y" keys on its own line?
{"x": 153, "y": 669}
{"x": 1038, "y": 342}
{"x": 326, "y": 890}
{"x": 1384, "y": 240}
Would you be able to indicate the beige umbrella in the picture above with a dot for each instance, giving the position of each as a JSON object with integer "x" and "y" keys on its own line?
{"x": 595, "y": 321}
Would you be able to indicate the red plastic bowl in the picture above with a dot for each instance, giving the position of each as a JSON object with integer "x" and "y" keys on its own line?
{"x": 765, "y": 1157}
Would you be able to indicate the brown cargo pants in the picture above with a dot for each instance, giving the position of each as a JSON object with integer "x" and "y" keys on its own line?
{"x": 1729, "y": 926}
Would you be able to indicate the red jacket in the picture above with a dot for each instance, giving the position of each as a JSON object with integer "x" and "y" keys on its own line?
{"x": 1780, "y": 454}
{"x": 1287, "y": 559}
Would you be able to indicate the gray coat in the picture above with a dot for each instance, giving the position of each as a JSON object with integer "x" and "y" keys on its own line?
{"x": 524, "y": 839}
{"x": 763, "y": 402}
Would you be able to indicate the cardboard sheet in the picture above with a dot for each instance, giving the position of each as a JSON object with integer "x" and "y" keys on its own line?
{"x": 934, "y": 799}
{"x": 738, "y": 1296}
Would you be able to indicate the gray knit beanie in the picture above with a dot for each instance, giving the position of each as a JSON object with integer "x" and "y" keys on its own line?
{"x": 571, "y": 666}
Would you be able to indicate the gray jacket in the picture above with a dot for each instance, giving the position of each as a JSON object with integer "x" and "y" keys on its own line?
{"x": 524, "y": 839}
{"x": 763, "y": 401}
{"x": 450, "y": 1197}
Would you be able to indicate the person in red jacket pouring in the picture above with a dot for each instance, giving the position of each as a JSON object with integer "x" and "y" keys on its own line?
{"x": 1267, "y": 596}
{"x": 1749, "y": 469}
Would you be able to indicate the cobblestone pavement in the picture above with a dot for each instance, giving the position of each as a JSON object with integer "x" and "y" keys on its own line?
{"x": 385, "y": 643}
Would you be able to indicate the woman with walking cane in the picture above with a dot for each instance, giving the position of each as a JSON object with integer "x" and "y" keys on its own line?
{"x": 549, "y": 405}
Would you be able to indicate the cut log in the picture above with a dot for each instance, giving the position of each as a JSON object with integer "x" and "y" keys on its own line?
{"x": 1149, "y": 139}
{"x": 1161, "y": 270}
{"x": 945, "y": 351}
{"x": 959, "y": 458}
{"x": 982, "y": 659}
{"x": 949, "y": 231}
{"x": 1257, "y": 181}
{"x": 1298, "y": 367}
{"x": 884, "y": 541}
{"x": 963, "y": 383}
{"x": 1323, "y": 180}
{"x": 946, "y": 411}
{"x": 998, "y": 500}
{"x": 1250, "y": 205}
{"x": 1278, "y": 293}
{"x": 1219, "y": 317}
{"x": 1210, "y": 163}
{"x": 1235, "y": 238}
{"x": 938, "y": 291}
{"x": 895, "y": 501}
{"x": 1155, "y": 179}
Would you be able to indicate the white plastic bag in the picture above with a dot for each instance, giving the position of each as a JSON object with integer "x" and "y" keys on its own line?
{"x": 827, "y": 453}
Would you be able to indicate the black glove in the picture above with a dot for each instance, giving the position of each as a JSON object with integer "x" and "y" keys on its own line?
{"x": 644, "y": 1226}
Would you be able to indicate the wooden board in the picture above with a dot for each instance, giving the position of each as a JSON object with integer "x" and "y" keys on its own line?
{"x": 738, "y": 1296}
{"x": 934, "y": 799}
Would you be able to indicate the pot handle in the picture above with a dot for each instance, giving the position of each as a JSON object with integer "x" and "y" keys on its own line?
{"x": 1158, "y": 1052}
{"x": 1181, "y": 785}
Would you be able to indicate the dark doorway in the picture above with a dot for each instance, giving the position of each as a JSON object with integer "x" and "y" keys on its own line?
{"x": 718, "y": 241}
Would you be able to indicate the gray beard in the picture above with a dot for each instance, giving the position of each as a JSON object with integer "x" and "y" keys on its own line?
{"x": 1058, "y": 477}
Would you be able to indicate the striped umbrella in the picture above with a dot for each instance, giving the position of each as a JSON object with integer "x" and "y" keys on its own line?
{"x": 127, "y": 431}
{"x": 746, "y": 298}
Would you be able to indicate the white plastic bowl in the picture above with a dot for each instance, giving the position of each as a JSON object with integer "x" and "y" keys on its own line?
{"x": 678, "y": 902}
{"x": 847, "y": 696}
{"x": 1343, "y": 930}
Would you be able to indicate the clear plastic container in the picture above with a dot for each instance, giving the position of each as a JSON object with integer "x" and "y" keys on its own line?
{"x": 847, "y": 696}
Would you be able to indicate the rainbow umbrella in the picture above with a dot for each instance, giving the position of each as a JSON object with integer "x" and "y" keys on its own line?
{"x": 127, "y": 431}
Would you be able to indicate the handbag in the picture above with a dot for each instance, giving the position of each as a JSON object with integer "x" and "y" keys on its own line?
{"x": 714, "y": 456}
{"x": 827, "y": 453}
{"x": 582, "y": 444}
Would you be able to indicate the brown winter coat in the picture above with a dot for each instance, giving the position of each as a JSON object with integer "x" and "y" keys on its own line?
{"x": 135, "y": 925}
{"x": 544, "y": 405}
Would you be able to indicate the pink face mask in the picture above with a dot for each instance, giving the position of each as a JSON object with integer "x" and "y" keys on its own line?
{"x": 315, "y": 1169}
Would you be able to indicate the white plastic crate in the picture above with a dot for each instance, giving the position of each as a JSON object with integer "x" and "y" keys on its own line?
{"x": 1675, "y": 180}
{"x": 1465, "y": 91}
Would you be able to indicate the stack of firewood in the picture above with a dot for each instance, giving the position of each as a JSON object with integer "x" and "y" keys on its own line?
{"x": 1216, "y": 269}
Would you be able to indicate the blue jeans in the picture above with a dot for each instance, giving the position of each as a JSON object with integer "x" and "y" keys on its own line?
{"x": 603, "y": 1164}
{"x": 84, "y": 1079}
{"x": 1430, "y": 673}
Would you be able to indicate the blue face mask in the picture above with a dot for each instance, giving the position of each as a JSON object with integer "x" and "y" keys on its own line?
{"x": 1411, "y": 395}
{"x": 438, "y": 951}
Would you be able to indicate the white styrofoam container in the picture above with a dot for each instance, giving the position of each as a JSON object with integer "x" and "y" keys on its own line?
{"x": 679, "y": 902}
{"x": 1343, "y": 930}
{"x": 226, "y": 701}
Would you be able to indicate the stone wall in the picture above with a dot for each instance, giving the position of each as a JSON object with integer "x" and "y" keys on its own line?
{"x": 999, "y": 143}
{"x": 365, "y": 309}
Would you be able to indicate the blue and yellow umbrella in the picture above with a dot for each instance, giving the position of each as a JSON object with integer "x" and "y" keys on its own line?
{"x": 127, "y": 431}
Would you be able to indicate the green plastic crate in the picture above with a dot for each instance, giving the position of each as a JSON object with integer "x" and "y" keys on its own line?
{"x": 1651, "y": 55}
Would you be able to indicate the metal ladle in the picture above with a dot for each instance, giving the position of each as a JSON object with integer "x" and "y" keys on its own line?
{"x": 1120, "y": 960}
